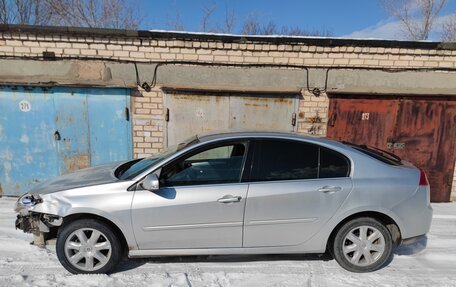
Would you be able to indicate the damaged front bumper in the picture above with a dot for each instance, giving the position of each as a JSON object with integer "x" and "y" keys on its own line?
{"x": 32, "y": 223}
{"x": 39, "y": 224}
{"x": 26, "y": 224}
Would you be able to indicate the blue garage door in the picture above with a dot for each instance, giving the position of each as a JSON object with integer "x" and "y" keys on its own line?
{"x": 45, "y": 132}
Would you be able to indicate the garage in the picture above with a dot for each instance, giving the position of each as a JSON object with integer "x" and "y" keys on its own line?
{"x": 189, "y": 113}
{"x": 48, "y": 131}
{"x": 420, "y": 129}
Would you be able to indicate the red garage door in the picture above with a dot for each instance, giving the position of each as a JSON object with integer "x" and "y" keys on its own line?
{"x": 420, "y": 130}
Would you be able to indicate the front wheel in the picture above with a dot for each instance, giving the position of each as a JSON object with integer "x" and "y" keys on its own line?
{"x": 362, "y": 245}
{"x": 88, "y": 246}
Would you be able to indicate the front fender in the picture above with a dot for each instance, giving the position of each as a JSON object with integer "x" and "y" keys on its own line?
{"x": 124, "y": 226}
{"x": 114, "y": 207}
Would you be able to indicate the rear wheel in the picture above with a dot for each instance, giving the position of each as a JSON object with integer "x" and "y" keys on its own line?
{"x": 362, "y": 245}
{"x": 88, "y": 246}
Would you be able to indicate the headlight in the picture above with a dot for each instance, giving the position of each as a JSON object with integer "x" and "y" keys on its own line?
{"x": 26, "y": 201}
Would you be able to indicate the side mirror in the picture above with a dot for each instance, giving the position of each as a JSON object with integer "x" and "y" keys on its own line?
{"x": 150, "y": 182}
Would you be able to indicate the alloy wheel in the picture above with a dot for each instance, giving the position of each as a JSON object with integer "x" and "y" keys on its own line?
{"x": 363, "y": 245}
{"x": 88, "y": 249}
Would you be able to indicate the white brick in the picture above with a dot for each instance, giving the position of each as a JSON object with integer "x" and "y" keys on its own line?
{"x": 21, "y": 50}
{"x": 80, "y": 46}
{"x": 13, "y": 43}
{"x": 88, "y": 52}
{"x": 105, "y": 53}
{"x": 72, "y": 51}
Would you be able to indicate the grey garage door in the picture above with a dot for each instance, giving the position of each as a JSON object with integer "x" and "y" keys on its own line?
{"x": 189, "y": 113}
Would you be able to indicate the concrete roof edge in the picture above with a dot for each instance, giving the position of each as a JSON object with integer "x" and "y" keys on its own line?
{"x": 228, "y": 38}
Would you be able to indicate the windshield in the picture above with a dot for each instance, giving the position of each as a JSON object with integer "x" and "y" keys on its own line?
{"x": 133, "y": 168}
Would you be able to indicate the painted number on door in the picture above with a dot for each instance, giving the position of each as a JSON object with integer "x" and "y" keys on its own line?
{"x": 365, "y": 116}
{"x": 25, "y": 106}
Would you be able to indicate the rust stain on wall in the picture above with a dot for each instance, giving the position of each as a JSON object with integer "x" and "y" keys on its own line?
{"x": 257, "y": 105}
{"x": 419, "y": 130}
{"x": 76, "y": 162}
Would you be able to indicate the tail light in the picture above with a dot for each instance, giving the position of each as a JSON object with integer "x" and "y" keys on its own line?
{"x": 423, "y": 178}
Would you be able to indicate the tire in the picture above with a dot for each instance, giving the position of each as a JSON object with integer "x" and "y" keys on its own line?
{"x": 88, "y": 246}
{"x": 356, "y": 252}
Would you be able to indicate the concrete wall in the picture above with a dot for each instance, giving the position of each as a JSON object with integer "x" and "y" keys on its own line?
{"x": 420, "y": 71}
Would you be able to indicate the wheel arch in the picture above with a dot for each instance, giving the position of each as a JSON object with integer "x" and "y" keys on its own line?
{"x": 78, "y": 216}
{"x": 385, "y": 219}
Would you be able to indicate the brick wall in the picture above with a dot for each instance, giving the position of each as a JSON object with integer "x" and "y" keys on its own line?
{"x": 313, "y": 114}
{"x": 148, "y": 112}
{"x": 213, "y": 51}
{"x": 148, "y": 121}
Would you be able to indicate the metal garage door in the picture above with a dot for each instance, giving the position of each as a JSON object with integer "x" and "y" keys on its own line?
{"x": 420, "y": 130}
{"x": 189, "y": 114}
{"x": 45, "y": 132}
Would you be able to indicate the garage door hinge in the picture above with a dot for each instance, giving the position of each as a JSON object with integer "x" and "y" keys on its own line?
{"x": 167, "y": 115}
{"x": 293, "y": 119}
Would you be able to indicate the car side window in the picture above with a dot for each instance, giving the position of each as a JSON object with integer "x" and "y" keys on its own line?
{"x": 219, "y": 164}
{"x": 284, "y": 160}
{"x": 333, "y": 164}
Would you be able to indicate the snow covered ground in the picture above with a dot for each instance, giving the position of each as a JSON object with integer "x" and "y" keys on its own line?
{"x": 22, "y": 264}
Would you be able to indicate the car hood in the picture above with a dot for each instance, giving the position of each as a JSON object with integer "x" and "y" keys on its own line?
{"x": 84, "y": 177}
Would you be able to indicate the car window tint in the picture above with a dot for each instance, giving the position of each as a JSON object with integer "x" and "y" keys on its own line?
{"x": 222, "y": 164}
{"x": 333, "y": 164}
{"x": 285, "y": 160}
{"x": 215, "y": 153}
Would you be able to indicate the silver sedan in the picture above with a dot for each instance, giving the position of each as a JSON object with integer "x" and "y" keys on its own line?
{"x": 234, "y": 193}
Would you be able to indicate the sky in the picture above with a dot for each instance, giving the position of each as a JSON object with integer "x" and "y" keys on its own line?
{"x": 342, "y": 18}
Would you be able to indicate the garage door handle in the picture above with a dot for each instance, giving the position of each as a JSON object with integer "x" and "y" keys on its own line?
{"x": 330, "y": 189}
{"x": 229, "y": 199}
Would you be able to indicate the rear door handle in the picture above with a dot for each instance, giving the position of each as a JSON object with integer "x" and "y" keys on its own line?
{"x": 329, "y": 189}
{"x": 229, "y": 199}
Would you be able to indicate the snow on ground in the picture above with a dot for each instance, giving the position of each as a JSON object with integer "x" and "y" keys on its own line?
{"x": 22, "y": 264}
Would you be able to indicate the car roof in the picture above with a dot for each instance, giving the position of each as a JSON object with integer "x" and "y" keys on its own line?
{"x": 204, "y": 137}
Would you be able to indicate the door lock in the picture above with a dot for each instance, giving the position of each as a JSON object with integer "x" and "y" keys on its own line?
{"x": 57, "y": 136}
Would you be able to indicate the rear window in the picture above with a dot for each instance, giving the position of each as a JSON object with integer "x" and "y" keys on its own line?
{"x": 285, "y": 160}
{"x": 292, "y": 160}
{"x": 333, "y": 164}
{"x": 379, "y": 154}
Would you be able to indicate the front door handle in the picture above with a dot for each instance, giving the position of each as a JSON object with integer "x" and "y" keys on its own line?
{"x": 329, "y": 189}
{"x": 229, "y": 199}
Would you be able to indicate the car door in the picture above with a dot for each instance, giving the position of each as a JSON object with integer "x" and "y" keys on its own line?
{"x": 200, "y": 202}
{"x": 295, "y": 188}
